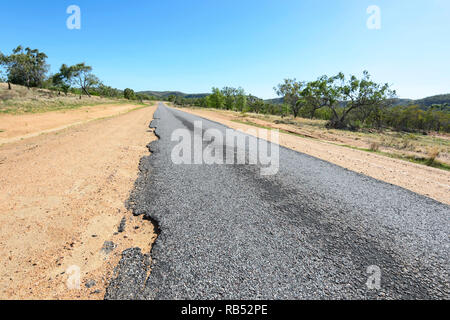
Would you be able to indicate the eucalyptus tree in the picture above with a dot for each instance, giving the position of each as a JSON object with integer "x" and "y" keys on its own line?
{"x": 229, "y": 95}
{"x": 255, "y": 104}
{"x": 83, "y": 77}
{"x": 290, "y": 90}
{"x": 3, "y": 67}
{"x": 63, "y": 79}
{"x": 129, "y": 94}
{"x": 216, "y": 99}
{"x": 358, "y": 96}
{"x": 25, "y": 67}
{"x": 241, "y": 99}
{"x": 318, "y": 94}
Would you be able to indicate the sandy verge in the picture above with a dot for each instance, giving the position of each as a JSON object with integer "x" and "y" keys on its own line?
{"x": 428, "y": 181}
{"x": 62, "y": 197}
{"x": 18, "y": 127}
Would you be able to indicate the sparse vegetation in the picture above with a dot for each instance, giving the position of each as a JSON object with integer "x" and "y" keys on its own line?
{"x": 432, "y": 155}
{"x": 412, "y": 147}
{"x": 28, "y": 67}
{"x": 21, "y": 100}
{"x": 345, "y": 103}
{"x": 374, "y": 146}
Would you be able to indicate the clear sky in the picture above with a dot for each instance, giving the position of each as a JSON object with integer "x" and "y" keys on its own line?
{"x": 193, "y": 45}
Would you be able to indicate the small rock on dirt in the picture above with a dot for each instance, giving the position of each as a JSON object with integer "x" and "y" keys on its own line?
{"x": 90, "y": 284}
{"x": 122, "y": 225}
{"x": 108, "y": 246}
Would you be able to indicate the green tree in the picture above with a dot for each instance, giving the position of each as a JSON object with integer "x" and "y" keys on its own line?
{"x": 63, "y": 79}
{"x": 203, "y": 102}
{"x": 3, "y": 77}
{"x": 143, "y": 96}
{"x": 180, "y": 101}
{"x": 318, "y": 94}
{"x": 255, "y": 104}
{"x": 3, "y": 66}
{"x": 25, "y": 67}
{"x": 357, "y": 95}
{"x": 129, "y": 94}
{"x": 216, "y": 99}
{"x": 57, "y": 82}
{"x": 290, "y": 91}
{"x": 240, "y": 100}
{"x": 229, "y": 94}
{"x": 107, "y": 91}
{"x": 83, "y": 77}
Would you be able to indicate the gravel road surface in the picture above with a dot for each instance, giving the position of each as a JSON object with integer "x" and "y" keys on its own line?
{"x": 308, "y": 232}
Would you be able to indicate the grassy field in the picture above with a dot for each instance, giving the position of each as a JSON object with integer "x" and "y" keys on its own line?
{"x": 431, "y": 149}
{"x": 21, "y": 100}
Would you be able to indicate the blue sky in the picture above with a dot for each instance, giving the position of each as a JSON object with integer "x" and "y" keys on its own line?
{"x": 193, "y": 45}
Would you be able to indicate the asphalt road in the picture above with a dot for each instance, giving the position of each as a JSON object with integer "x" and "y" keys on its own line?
{"x": 308, "y": 232}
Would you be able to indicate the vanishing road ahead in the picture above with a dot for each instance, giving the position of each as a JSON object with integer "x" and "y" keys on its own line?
{"x": 308, "y": 232}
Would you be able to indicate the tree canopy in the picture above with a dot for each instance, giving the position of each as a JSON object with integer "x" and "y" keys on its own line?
{"x": 25, "y": 67}
{"x": 129, "y": 94}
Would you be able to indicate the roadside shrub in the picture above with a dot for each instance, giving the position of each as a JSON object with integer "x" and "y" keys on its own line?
{"x": 433, "y": 153}
{"x": 129, "y": 94}
{"x": 406, "y": 142}
{"x": 374, "y": 146}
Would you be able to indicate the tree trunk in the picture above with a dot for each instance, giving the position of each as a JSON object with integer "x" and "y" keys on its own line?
{"x": 336, "y": 124}
{"x": 87, "y": 93}
{"x": 9, "y": 85}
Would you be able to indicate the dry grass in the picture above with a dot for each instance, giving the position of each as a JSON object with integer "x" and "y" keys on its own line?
{"x": 374, "y": 146}
{"x": 433, "y": 153}
{"x": 21, "y": 100}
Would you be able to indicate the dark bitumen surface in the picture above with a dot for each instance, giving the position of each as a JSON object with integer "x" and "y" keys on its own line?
{"x": 308, "y": 232}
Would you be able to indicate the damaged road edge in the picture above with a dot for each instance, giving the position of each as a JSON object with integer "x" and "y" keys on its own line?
{"x": 133, "y": 270}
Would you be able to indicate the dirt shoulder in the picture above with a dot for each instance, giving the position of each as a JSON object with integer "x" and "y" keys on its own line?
{"x": 62, "y": 197}
{"x": 428, "y": 181}
{"x": 18, "y": 127}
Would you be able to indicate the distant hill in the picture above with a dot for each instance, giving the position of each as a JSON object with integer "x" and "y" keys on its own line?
{"x": 424, "y": 103}
{"x": 165, "y": 94}
{"x": 274, "y": 101}
{"x": 438, "y": 99}
{"x": 402, "y": 102}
